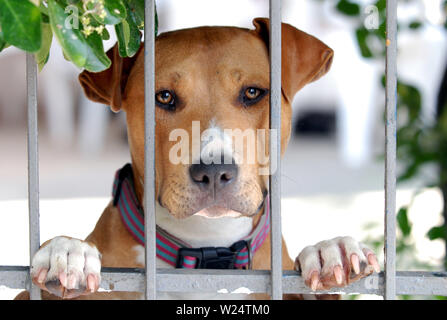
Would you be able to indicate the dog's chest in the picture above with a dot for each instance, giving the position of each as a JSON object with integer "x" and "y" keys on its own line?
{"x": 199, "y": 232}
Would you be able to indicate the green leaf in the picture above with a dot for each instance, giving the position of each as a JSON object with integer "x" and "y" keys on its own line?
{"x": 381, "y": 5}
{"x": 123, "y": 34}
{"x": 44, "y": 53}
{"x": 348, "y": 8}
{"x": 415, "y": 25}
{"x": 403, "y": 222}
{"x": 105, "y": 34}
{"x": 115, "y": 12}
{"x": 43, "y": 9}
{"x": 362, "y": 36}
{"x": 97, "y": 59}
{"x": 381, "y": 32}
{"x": 125, "y": 46}
{"x": 84, "y": 52}
{"x": 409, "y": 97}
{"x": 20, "y": 21}
{"x": 2, "y": 41}
{"x": 136, "y": 7}
{"x": 156, "y": 21}
{"x": 437, "y": 233}
{"x": 129, "y": 36}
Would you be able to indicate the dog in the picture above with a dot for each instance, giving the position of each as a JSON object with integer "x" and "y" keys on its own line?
{"x": 208, "y": 215}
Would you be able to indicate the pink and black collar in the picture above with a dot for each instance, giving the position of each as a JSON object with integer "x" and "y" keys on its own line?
{"x": 176, "y": 252}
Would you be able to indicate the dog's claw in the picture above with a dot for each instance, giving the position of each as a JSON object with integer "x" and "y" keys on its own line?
{"x": 314, "y": 281}
{"x": 63, "y": 278}
{"x": 338, "y": 273}
{"x": 41, "y": 276}
{"x": 373, "y": 261}
{"x": 355, "y": 263}
{"x": 71, "y": 283}
{"x": 91, "y": 283}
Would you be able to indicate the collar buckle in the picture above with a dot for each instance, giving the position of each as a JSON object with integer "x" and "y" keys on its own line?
{"x": 212, "y": 257}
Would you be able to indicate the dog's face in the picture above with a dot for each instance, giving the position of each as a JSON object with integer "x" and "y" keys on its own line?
{"x": 212, "y": 112}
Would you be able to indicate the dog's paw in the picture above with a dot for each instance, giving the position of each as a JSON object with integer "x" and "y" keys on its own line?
{"x": 67, "y": 268}
{"x": 335, "y": 263}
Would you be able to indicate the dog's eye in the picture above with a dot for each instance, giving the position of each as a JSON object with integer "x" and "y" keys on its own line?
{"x": 251, "y": 95}
{"x": 165, "y": 99}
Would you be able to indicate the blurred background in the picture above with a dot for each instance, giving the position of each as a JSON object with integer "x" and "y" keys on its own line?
{"x": 333, "y": 170}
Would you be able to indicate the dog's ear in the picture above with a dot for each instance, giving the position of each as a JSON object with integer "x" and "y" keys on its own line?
{"x": 304, "y": 58}
{"x": 108, "y": 86}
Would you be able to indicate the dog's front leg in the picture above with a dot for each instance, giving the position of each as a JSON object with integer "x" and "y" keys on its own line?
{"x": 67, "y": 267}
{"x": 335, "y": 263}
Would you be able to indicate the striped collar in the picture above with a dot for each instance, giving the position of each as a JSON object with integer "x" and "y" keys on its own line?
{"x": 174, "y": 251}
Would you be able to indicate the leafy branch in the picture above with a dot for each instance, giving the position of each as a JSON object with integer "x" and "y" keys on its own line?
{"x": 80, "y": 27}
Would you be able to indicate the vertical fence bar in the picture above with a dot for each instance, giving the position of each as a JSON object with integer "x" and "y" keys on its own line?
{"x": 275, "y": 144}
{"x": 149, "y": 148}
{"x": 390, "y": 152}
{"x": 33, "y": 165}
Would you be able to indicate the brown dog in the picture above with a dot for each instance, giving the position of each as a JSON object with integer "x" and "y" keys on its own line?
{"x": 217, "y": 77}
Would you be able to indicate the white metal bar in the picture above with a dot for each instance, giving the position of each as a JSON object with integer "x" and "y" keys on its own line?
{"x": 275, "y": 144}
{"x": 258, "y": 281}
{"x": 33, "y": 164}
{"x": 149, "y": 148}
{"x": 390, "y": 152}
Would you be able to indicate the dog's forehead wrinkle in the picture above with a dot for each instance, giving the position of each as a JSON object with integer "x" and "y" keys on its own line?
{"x": 236, "y": 74}
{"x": 217, "y": 44}
{"x": 176, "y": 76}
{"x": 205, "y": 36}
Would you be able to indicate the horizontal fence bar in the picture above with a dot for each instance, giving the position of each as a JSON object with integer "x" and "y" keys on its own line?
{"x": 14, "y": 277}
{"x": 257, "y": 281}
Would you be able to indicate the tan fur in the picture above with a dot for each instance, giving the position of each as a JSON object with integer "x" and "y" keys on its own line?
{"x": 206, "y": 67}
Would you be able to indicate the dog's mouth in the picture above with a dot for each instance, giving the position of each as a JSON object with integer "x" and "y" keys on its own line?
{"x": 211, "y": 212}
{"x": 216, "y": 212}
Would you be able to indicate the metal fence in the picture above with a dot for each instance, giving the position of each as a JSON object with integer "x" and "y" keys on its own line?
{"x": 275, "y": 281}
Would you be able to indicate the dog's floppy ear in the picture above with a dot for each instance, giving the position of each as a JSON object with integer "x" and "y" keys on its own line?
{"x": 304, "y": 58}
{"x": 108, "y": 86}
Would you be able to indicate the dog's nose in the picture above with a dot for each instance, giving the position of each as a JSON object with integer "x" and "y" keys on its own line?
{"x": 213, "y": 176}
